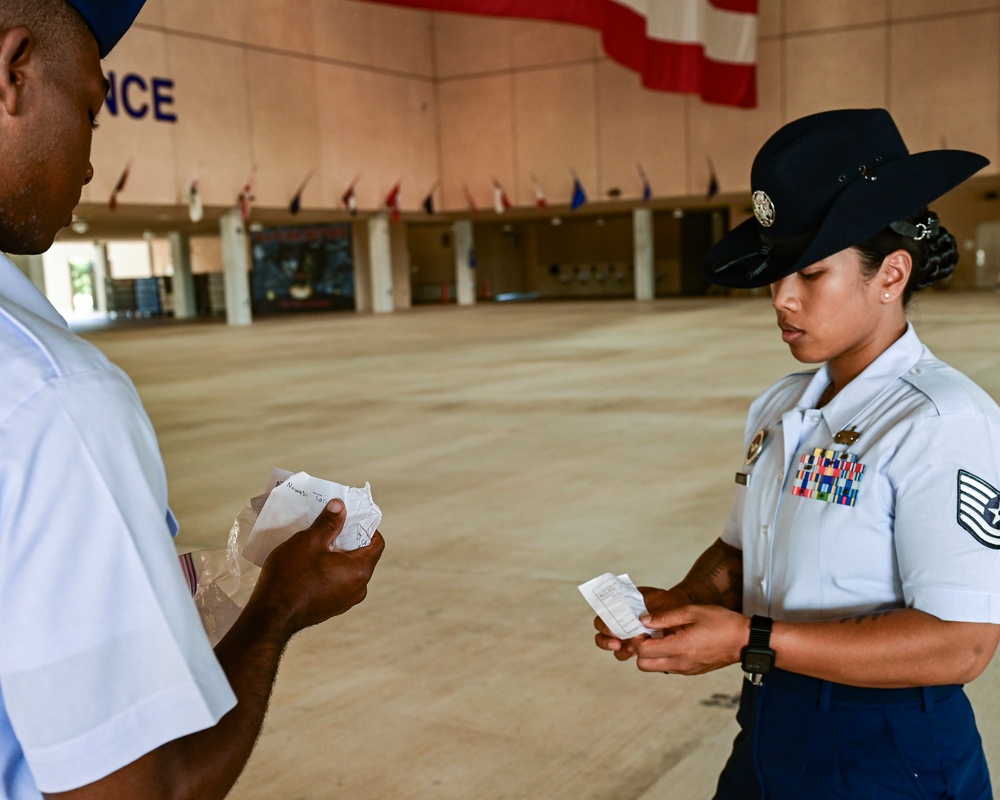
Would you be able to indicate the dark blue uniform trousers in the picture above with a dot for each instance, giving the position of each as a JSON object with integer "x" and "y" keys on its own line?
{"x": 806, "y": 739}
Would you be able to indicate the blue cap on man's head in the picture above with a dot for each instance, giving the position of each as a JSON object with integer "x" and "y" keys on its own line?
{"x": 107, "y": 19}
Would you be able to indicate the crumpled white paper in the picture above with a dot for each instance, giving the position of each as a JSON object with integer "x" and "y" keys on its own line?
{"x": 618, "y": 603}
{"x": 293, "y": 504}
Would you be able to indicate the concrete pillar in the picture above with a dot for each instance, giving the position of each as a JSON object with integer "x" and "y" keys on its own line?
{"x": 185, "y": 304}
{"x": 236, "y": 266}
{"x": 642, "y": 235}
{"x": 465, "y": 274}
{"x": 362, "y": 267}
{"x": 402, "y": 292}
{"x": 380, "y": 262}
{"x": 100, "y": 277}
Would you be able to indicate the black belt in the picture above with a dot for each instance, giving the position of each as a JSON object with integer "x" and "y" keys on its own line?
{"x": 828, "y": 692}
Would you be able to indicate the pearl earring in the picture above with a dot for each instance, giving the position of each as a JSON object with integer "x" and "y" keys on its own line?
{"x": 887, "y": 295}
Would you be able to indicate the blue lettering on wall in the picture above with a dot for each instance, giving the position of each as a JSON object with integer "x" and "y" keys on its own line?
{"x": 137, "y": 98}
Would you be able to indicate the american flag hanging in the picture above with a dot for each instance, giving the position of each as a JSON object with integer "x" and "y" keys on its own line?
{"x": 703, "y": 47}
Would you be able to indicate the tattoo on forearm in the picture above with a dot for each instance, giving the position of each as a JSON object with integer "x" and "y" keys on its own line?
{"x": 867, "y": 617}
{"x": 716, "y": 577}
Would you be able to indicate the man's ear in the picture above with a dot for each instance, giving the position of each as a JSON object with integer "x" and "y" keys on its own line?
{"x": 17, "y": 51}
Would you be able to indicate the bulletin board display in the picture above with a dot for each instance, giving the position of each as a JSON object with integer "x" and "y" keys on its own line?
{"x": 303, "y": 268}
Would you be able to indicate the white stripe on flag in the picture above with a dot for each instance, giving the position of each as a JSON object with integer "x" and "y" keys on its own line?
{"x": 728, "y": 36}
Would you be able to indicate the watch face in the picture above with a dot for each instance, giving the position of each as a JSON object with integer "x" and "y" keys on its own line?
{"x": 759, "y": 662}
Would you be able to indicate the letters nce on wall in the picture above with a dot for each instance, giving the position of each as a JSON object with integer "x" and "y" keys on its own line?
{"x": 140, "y": 98}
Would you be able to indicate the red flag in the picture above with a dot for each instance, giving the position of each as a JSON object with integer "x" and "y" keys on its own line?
{"x": 540, "y": 200}
{"x": 246, "y": 197}
{"x": 392, "y": 200}
{"x": 703, "y": 47}
{"x": 113, "y": 200}
{"x": 349, "y": 199}
{"x": 501, "y": 202}
{"x": 469, "y": 199}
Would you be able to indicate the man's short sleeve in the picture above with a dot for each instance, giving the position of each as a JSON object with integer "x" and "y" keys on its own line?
{"x": 102, "y": 655}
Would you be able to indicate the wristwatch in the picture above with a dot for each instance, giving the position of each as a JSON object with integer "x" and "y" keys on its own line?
{"x": 757, "y": 658}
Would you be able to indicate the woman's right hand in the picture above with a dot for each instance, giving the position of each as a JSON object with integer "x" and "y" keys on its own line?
{"x": 657, "y": 600}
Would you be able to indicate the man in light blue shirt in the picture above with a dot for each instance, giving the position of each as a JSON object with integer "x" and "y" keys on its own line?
{"x": 108, "y": 685}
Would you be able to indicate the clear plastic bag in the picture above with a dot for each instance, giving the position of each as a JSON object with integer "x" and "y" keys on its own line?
{"x": 225, "y": 579}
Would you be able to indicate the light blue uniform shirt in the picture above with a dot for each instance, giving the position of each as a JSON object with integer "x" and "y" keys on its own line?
{"x": 102, "y": 654}
{"x": 906, "y": 516}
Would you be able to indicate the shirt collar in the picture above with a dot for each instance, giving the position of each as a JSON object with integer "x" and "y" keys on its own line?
{"x": 850, "y": 401}
{"x": 15, "y": 286}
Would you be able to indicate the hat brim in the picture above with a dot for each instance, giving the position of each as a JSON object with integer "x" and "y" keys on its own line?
{"x": 741, "y": 260}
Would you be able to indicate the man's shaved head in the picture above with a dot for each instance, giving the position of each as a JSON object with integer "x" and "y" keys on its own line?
{"x": 56, "y": 27}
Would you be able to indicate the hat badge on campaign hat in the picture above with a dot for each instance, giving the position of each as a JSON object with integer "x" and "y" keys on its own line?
{"x": 824, "y": 183}
{"x": 763, "y": 208}
{"x": 107, "y": 19}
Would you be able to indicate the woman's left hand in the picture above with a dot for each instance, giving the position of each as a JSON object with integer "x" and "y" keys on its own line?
{"x": 696, "y": 639}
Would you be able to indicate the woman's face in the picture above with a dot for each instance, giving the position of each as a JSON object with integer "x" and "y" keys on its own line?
{"x": 828, "y": 310}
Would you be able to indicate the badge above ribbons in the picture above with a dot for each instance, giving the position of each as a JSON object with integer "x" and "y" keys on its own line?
{"x": 979, "y": 509}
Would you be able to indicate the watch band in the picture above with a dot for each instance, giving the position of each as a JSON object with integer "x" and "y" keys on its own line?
{"x": 757, "y": 658}
{"x": 760, "y": 631}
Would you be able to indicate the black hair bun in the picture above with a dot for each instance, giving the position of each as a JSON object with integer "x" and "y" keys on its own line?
{"x": 941, "y": 258}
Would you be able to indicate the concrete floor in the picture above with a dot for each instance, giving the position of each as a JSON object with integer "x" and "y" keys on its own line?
{"x": 516, "y": 451}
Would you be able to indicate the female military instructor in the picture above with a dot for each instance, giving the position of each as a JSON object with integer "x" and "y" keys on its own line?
{"x": 857, "y": 579}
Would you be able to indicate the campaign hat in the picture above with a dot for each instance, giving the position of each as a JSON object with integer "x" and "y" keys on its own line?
{"x": 107, "y": 19}
{"x": 824, "y": 183}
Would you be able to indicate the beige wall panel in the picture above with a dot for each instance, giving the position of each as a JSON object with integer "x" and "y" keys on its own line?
{"x": 535, "y": 44}
{"x": 285, "y": 136}
{"x": 212, "y": 134}
{"x": 221, "y": 18}
{"x": 907, "y": 9}
{"x": 640, "y": 125}
{"x": 148, "y": 141}
{"x": 465, "y": 44}
{"x": 843, "y": 69}
{"x": 206, "y": 254}
{"x": 151, "y": 14}
{"x": 378, "y": 125}
{"x": 555, "y": 124}
{"x": 948, "y": 91}
{"x": 390, "y": 38}
{"x": 282, "y": 24}
{"x": 731, "y": 137}
{"x": 812, "y": 15}
{"x": 770, "y": 16}
{"x": 477, "y": 140}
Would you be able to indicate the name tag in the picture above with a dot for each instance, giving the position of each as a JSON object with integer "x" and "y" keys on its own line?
{"x": 829, "y": 476}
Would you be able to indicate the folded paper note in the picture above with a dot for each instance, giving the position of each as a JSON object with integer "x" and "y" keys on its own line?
{"x": 293, "y": 503}
{"x": 618, "y": 603}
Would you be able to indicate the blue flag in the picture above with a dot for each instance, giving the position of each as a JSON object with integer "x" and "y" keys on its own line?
{"x": 579, "y": 196}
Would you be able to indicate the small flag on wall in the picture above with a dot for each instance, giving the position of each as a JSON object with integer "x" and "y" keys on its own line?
{"x": 392, "y": 200}
{"x": 296, "y": 203}
{"x": 501, "y": 202}
{"x": 246, "y": 197}
{"x": 122, "y": 180}
{"x": 468, "y": 198}
{"x": 195, "y": 208}
{"x": 579, "y": 195}
{"x": 647, "y": 189}
{"x": 349, "y": 199}
{"x": 713, "y": 181}
{"x": 540, "y": 200}
{"x": 429, "y": 198}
